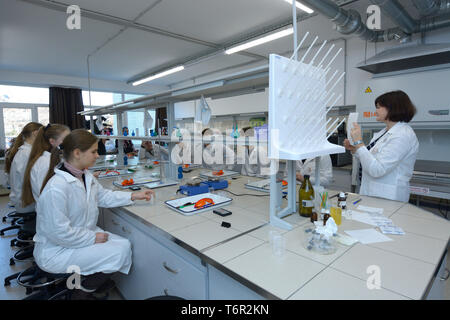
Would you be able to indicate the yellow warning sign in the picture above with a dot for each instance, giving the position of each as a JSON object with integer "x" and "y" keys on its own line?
{"x": 368, "y": 90}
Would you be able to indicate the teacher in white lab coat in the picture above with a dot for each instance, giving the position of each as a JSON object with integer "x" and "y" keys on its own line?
{"x": 388, "y": 161}
{"x": 67, "y": 212}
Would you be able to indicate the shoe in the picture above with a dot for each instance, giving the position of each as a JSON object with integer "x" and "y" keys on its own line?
{"x": 78, "y": 294}
{"x": 106, "y": 287}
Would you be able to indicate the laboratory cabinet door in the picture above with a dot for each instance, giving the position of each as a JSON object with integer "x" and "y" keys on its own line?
{"x": 437, "y": 291}
{"x": 139, "y": 283}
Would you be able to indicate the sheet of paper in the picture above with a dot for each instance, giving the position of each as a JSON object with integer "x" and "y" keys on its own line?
{"x": 367, "y": 236}
{"x": 391, "y": 229}
{"x": 370, "y": 209}
{"x": 363, "y": 217}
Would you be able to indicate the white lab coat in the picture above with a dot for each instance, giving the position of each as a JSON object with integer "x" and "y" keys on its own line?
{"x": 309, "y": 168}
{"x": 213, "y": 162}
{"x": 16, "y": 176}
{"x": 38, "y": 173}
{"x": 157, "y": 154}
{"x": 257, "y": 162}
{"x": 389, "y": 165}
{"x": 182, "y": 154}
{"x": 66, "y": 224}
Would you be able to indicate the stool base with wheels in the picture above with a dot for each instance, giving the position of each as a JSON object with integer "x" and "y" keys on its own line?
{"x": 24, "y": 254}
{"x": 47, "y": 285}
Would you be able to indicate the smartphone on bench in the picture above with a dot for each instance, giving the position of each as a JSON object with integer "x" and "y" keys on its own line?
{"x": 222, "y": 212}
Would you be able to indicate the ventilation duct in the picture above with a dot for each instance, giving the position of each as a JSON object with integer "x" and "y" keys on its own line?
{"x": 349, "y": 21}
{"x": 431, "y": 7}
{"x": 406, "y": 56}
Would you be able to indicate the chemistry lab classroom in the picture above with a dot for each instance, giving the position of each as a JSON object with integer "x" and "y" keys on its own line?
{"x": 224, "y": 150}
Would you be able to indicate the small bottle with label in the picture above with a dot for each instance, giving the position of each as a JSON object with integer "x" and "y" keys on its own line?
{"x": 306, "y": 198}
{"x": 342, "y": 201}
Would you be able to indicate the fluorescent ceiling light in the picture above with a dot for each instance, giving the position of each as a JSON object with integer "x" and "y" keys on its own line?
{"x": 159, "y": 75}
{"x": 301, "y": 6}
{"x": 259, "y": 41}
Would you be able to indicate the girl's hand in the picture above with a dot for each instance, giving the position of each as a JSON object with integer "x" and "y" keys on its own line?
{"x": 299, "y": 177}
{"x": 101, "y": 237}
{"x": 142, "y": 195}
{"x": 96, "y": 173}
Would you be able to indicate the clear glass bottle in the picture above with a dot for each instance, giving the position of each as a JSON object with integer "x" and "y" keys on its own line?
{"x": 306, "y": 198}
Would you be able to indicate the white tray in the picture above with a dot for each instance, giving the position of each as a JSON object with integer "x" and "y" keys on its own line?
{"x": 262, "y": 185}
{"x": 122, "y": 172}
{"x": 137, "y": 182}
{"x": 219, "y": 201}
{"x": 226, "y": 173}
{"x": 159, "y": 184}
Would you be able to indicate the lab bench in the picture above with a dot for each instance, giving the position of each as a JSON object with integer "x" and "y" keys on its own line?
{"x": 194, "y": 257}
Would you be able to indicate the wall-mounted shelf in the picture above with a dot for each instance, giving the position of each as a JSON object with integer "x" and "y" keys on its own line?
{"x": 253, "y": 80}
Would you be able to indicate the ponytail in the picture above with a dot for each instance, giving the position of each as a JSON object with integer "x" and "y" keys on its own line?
{"x": 78, "y": 139}
{"x": 55, "y": 158}
{"x": 40, "y": 145}
{"x": 20, "y": 140}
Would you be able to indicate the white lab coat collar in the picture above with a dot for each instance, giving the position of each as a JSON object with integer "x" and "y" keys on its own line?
{"x": 71, "y": 179}
{"x": 25, "y": 145}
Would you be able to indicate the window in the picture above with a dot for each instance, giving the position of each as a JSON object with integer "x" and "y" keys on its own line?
{"x": 14, "y": 120}
{"x": 43, "y": 115}
{"x": 100, "y": 99}
{"x": 24, "y": 94}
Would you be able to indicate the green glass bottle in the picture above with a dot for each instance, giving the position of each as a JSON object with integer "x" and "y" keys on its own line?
{"x": 306, "y": 198}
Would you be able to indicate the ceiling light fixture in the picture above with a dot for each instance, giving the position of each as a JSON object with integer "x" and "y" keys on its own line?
{"x": 259, "y": 41}
{"x": 158, "y": 75}
{"x": 301, "y": 6}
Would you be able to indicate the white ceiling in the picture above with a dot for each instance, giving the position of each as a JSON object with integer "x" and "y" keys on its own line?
{"x": 34, "y": 38}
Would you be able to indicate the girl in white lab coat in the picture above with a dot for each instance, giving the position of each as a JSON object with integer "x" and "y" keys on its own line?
{"x": 388, "y": 161}
{"x": 16, "y": 162}
{"x": 308, "y": 167}
{"x": 67, "y": 211}
{"x": 48, "y": 138}
{"x": 216, "y": 155}
{"x": 148, "y": 150}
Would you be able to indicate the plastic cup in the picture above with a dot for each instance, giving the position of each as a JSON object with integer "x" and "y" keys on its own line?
{"x": 336, "y": 214}
{"x": 278, "y": 245}
{"x": 272, "y": 234}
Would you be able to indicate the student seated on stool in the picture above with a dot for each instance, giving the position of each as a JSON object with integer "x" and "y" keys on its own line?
{"x": 67, "y": 212}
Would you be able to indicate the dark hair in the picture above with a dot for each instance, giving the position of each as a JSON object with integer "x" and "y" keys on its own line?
{"x": 398, "y": 104}
{"x": 78, "y": 139}
{"x": 20, "y": 140}
{"x": 41, "y": 144}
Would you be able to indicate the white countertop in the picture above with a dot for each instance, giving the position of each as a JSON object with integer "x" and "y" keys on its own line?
{"x": 407, "y": 263}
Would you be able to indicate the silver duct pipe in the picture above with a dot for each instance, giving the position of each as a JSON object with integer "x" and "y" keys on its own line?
{"x": 347, "y": 22}
{"x": 434, "y": 23}
{"x": 431, "y": 7}
{"x": 398, "y": 14}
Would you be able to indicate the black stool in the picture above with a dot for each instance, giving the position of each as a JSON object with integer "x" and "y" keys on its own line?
{"x": 24, "y": 254}
{"x": 165, "y": 298}
{"x": 49, "y": 286}
{"x": 26, "y": 222}
{"x": 10, "y": 215}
